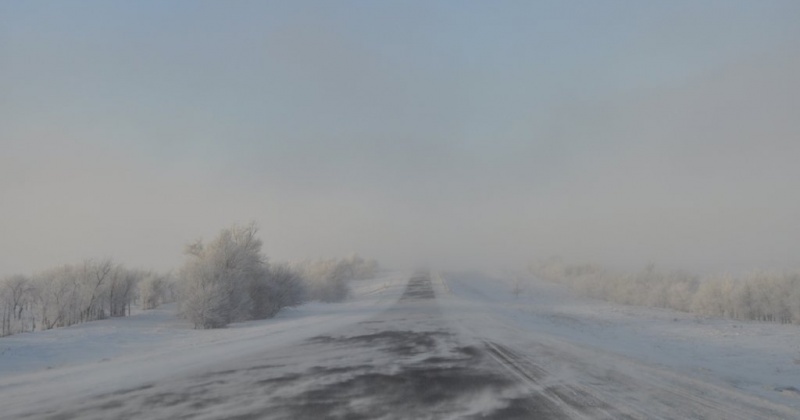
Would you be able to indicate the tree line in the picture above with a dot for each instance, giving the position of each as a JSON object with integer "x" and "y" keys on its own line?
{"x": 225, "y": 280}
{"x": 76, "y": 293}
{"x": 759, "y": 296}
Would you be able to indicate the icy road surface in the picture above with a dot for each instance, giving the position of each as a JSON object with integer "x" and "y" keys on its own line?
{"x": 421, "y": 359}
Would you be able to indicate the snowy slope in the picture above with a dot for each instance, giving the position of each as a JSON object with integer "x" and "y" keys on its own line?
{"x": 102, "y": 356}
{"x": 759, "y": 359}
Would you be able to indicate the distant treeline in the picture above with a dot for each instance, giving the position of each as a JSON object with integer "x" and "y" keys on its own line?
{"x": 759, "y": 296}
{"x": 75, "y": 293}
{"x": 226, "y": 280}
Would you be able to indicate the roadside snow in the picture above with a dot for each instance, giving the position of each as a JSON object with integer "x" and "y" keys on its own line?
{"x": 119, "y": 353}
{"x": 762, "y": 359}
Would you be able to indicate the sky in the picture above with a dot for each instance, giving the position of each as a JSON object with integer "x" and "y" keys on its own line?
{"x": 449, "y": 133}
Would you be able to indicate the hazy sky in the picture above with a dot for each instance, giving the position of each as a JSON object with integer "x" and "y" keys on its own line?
{"x": 449, "y": 132}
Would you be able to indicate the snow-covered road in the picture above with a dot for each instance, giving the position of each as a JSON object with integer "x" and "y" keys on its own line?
{"x": 402, "y": 363}
{"x": 601, "y": 360}
{"x": 446, "y": 347}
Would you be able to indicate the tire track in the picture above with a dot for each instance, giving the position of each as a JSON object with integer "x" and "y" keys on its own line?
{"x": 574, "y": 401}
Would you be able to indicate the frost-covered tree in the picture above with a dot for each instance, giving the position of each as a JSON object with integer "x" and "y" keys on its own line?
{"x": 218, "y": 278}
{"x": 54, "y": 297}
{"x": 714, "y": 297}
{"x": 152, "y": 290}
{"x": 91, "y": 281}
{"x": 66, "y": 295}
{"x": 121, "y": 289}
{"x": 288, "y": 285}
{"x": 280, "y": 288}
{"x": 759, "y": 296}
{"x": 15, "y": 303}
{"x": 327, "y": 280}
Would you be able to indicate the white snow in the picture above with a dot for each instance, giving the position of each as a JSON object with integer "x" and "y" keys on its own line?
{"x": 762, "y": 359}
{"x": 119, "y": 353}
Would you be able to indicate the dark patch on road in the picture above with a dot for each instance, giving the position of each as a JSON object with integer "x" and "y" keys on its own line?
{"x": 208, "y": 383}
{"x": 419, "y": 287}
{"x": 262, "y": 367}
{"x": 324, "y": 370}
{"x": 413, "y": 392}
{"x": 228, "y": 372}
{"x": 404, "y": 343}
{"x": 136, "y": 389}
{"x": 166, "y": 399}
{"x": 112, "y": 404}
{"x": 518, "y": 364}
{"x": 321, "y": 339}
{"x": 289, "y": 377}
{"x": 579, "y": 399}
{"x": 200, "y": 404}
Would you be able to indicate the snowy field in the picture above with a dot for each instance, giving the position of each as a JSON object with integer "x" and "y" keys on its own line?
{"x": 118, "y": 353}
{"x": 761, "y": 359}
